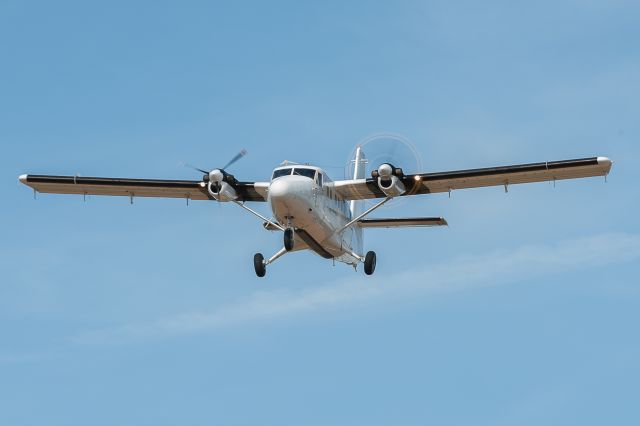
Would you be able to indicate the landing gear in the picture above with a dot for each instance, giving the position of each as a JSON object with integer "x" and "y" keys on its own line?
{"x": 288, "y": 239}
{"x": 370, "y": 262}
{"x": 258, "y": 264}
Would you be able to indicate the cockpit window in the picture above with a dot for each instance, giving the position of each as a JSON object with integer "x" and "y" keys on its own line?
{"x": 281, "y": 172}
{"x": 310, "y": 173}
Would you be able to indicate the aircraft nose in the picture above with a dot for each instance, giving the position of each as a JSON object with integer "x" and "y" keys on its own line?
{"x": 291, "y": 196}
{"x": 290, "y": 188}
{"x": 279, "y": 189}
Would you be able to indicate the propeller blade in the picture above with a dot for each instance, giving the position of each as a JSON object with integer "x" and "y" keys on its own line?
{"x": 194, "y": 168}
{"x": 236, "y": 158}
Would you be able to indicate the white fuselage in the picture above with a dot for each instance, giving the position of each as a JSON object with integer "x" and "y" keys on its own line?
{"x": 301, "y": 198}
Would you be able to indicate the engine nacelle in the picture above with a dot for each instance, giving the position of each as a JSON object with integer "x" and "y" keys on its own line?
{"x": 222, "y": 191}
{"x": 389, "y": 180}
{"x": 391, "y": 186}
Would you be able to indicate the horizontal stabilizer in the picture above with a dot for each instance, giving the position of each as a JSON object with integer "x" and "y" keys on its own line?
{"x": 402, "y": 222}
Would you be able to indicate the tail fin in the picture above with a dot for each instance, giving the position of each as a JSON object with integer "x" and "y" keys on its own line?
{"x": 357, "y": 206}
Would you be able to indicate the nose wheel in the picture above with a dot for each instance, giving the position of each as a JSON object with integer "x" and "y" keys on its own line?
{"x": 370, "y": 262}
{"x": 259, "y": 265}
{"x": 288, "y": 239}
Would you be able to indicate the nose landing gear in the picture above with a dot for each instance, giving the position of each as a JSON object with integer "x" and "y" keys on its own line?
{"x": 288, "y": 239}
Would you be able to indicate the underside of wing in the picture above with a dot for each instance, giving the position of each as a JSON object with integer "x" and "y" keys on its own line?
{"x": 427, "y": 183}
{"x": 187, "y": 189}
{"x": 402, "y": 222}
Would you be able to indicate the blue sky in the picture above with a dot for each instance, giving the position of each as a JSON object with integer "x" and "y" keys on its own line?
{"x": 523, "y": 311}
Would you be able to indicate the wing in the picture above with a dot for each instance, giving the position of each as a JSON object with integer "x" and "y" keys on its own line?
{"x": 402, "y": 222}
{"x": 428, "y": 183}
{"x": 188, "y": 189}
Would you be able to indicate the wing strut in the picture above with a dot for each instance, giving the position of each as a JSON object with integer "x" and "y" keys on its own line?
{"x": 255, "y": 213}
{"x": 380, "y": 204}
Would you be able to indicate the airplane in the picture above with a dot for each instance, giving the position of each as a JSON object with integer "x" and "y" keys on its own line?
{"x": 312, "y": 211}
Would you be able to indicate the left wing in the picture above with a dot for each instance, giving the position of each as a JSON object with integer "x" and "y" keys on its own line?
{"x": 188, "y": 189}
{"x": 428, "y": 183}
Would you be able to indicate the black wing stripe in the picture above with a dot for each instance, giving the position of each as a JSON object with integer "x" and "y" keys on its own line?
{"x": 98, "y": 181}
{"x": 123, "y": 186}
{"x": 522, "y": 168}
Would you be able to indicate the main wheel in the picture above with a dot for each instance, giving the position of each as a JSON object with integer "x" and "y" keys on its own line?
{"x": 370, "y": 262}
{"x": 288, "y": 239}
{"x": 258, "y": 264}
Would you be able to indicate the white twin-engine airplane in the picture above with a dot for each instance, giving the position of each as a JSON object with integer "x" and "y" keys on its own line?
{"x": 315, "y": 213}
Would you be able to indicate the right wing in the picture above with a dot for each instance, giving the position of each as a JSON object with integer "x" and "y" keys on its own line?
{"x": 188, "y": 189}
{"x": 428, "y": 183}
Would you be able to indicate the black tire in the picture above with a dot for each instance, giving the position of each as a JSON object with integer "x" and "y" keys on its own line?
{"x": 258, "y": 264}
{"x": 370, "y": 262}
{"x": 288, "y": 239}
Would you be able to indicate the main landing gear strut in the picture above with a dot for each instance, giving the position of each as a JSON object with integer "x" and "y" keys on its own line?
{"x": 260, "y": 264}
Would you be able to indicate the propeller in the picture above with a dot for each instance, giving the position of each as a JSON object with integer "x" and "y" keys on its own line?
{"x": 238, "y": 156}
{"x": 387, "y": 154}
{"x": 217, "y": 175}
{"x": 189, "y": 166}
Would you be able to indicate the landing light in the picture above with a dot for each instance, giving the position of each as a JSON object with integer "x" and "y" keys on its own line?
{"x": 417, "y": 178}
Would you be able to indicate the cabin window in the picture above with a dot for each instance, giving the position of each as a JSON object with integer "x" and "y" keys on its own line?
{"x": 281, "y": 172}
{"x": 310, "y": 173}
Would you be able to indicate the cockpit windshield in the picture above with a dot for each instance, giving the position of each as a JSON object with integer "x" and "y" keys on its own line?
{"x": 281, "y": 172}
{"x": 297, "y": 171}
{"x": 310, "y": 173}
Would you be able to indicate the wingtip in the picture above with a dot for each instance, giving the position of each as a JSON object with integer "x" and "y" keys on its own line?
{"x": 23, "y": 178}
{"x": 606, "y": 162}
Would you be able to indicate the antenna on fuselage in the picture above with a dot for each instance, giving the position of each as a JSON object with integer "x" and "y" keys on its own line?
{"x": 289, "y": 163}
